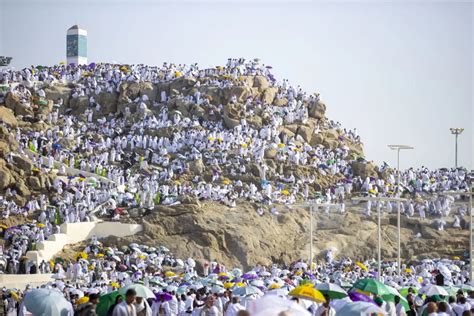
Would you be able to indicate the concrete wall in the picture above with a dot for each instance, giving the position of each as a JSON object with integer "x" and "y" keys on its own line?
{"x": 19, "y": 281}
{"x": 77, "y": 232}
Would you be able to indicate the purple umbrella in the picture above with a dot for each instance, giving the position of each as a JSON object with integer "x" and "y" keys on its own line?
{"x": 249, "y": 276}
{"x": 92, "y": 65}
{"x": 163, "y": 296}
{"x": 359, "y": 297}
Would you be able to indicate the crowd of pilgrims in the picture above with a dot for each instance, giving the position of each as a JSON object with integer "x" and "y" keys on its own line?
{"x": 176, "y": 288}
{"x": 125, "y": 164}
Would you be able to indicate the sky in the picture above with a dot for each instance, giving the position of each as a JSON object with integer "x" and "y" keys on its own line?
{"x": 401, "y": 72}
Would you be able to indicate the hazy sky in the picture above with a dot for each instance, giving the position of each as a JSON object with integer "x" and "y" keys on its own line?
{"x": 399, "y": 72}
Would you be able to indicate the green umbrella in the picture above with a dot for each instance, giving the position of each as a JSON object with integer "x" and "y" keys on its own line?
{"x": 391, "y": 297}
{"x": 105, "y": 302}
{"x": 333, "y": 291}
{"x": 404, "y": 291}
{"x": 372, "y": 286}
{"x": 142, "y": 291}
{"x": 452, "y": 291}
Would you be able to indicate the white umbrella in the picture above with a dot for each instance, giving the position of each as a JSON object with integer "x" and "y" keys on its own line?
{"x": 274, "y": 305}
{"x": 430, "y": 290}
{"x": 359, "y": 308}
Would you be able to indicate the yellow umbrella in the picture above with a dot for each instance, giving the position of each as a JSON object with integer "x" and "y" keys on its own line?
{"x": 15, "y": 296}
{"x": 274, "y": 286}
{"x": 228, "y": 285}
{"x": 240, "y": 284}
{"x": 170, "y": 274}
{"x": 115, "y": 285}
{"x": 285, "y": 192}
{"x": 226, "y": 181}
{"x": 83, "y": 300}
{"x": 82, "y": 255}
{"x": 3, "y": 226}
{"x": 362, "y": 266}
{"x": 62, "y": 63}
{"x": 281, "y": 145}
{"x": 223, "y": 274}
{"x": 408, "y": 271}
{"x": 211, "y": 138}
{"x": 40, "y": 225}
{"x": 100, "y": 255}
{"x": 178, "y": 74}
{"x": 308, "y": 293}
{"x": 244, "y": 145}
{"x": 456, "y": 258}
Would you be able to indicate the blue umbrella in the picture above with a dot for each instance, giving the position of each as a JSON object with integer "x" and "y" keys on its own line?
{"x": 47, "y": 302}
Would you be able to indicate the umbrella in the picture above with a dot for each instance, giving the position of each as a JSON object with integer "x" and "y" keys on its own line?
{"x": 47, "y": 302}
{"x": 105, "y": 302}
{"x": 371, "y": 286}
{"x": 275, "y": 305}
{"x": 246, "y": 291}
{"x": 431, "y": 290}
{"x": 250, "y": 276}
{"x": 362, "y": 266}
{"x": 332, "y": 290}
{"x": 359, "y": 297}
{"x": 391, "y": 297}
{"x": 308, "y": 293}
{"x": 164, "y": 296}
{"x": 142, "y": 291}
{"x": 360, "y": 308}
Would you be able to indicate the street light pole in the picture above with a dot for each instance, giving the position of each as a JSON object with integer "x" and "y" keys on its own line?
{"x": 456, "y": 131}
{"x": 470, "y": 193}
{"x": 399, "y": 260}
{"x": 379, "y": 227}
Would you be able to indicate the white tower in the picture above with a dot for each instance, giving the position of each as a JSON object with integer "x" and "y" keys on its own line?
{"x": 76, "y": 47}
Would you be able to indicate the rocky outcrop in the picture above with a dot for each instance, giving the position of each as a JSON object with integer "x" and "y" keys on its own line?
{"x": 7, "y": 117}
{"x": 364, "y": 169}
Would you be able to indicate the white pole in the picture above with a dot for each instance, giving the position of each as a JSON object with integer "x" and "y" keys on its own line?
{"x": 311, "y": 238}
{"x": 379, "y": 265}
{"x": 398, "y": 216}
{"x": 470, "y": 235}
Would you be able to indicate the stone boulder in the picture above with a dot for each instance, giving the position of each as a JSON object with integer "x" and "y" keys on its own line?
{"x": 7, "y": 117}
{"x": 13, "y": 102}
{"x": 23, "y": 163}
{"x": 21, "y": 188}
{"x": 57, "y": 92}
{"x": 270, "y": 153}
{"x": 197, "y": 167}
{"x": 182, "y": 83}
{"x": 280, "y": 102}
{"x": 242, "y": 93}
{"x": 108, "y": 102}
{"x": 34, "y": 183}
{"x": 261, "y": 83}
{"x": 317, "y": 139}
{"x": 5, "y": 179}
{"x": 150, "y": 90}
{"x": 305, "y": 132}
{"x": 79, "y": 105}
{"x": 129, "y": 91}
{"x": 364, "y": 169}
{"x": 317, "y": 110}
{"x": 269, "y": 95}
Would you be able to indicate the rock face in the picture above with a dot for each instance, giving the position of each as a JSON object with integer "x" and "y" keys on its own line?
{"x": 364, "y": 169}
{"x": 240, "y": 237}
{"x": 8, "y": 117}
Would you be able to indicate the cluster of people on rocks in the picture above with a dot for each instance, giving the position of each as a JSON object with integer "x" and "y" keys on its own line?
{"x": 150, "y": 154}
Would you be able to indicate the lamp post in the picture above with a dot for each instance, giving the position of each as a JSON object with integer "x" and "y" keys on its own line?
{"x": 379, "y": 237}
{"x": 398, "y": 148}
{"x": 313, "y": 204}
{"x": 470, "y": 193}
{"x": 456, "y": 131}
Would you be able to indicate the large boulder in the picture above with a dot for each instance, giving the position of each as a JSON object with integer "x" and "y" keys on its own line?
{"x": 305, "y": 132}
{"x": 269, "y": 95}
{"x": 242, "y": 93}
{"x": 280, "y": 102}
{"x": 21, "y": 188}
{"x": 5, "y": 179}
{"x": 261, "y": 83}
{"x": 57, "y": 92}
{"x": 7, "y": 117}
{"x": 149, "y": 89}
{"x": 270, "y": 153}
{"x": 129, "y": 91}
{"x": 14, "y": 103}
{"x": 364, "y": 169}
{"x": 197, "y": 167}
{"x": 317, "y": 110}
{"x": 182, "y": 83}
{"x": 34, "y": 183}
{"x": 79, "y": 105}
{"x": 108, "y": 102}
{"x": 23, "y": 163}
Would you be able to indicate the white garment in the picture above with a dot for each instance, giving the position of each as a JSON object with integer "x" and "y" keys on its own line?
{"x": 123, "y": 309}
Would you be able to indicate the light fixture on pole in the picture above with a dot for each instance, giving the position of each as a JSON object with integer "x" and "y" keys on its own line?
{"x": 379, "y": 238}
{"x": 470, "y": 194}
{"x": 398, "y": 148}
{"x": 456, "y": 131}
